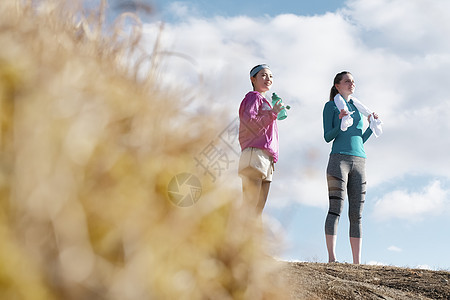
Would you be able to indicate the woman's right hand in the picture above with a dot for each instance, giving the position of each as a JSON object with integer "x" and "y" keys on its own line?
{"x": 278, "y": 106}
{"x": 343, "y": 113}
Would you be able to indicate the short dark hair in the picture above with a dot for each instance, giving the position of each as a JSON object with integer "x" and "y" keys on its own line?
{"x": 255, "y": 70}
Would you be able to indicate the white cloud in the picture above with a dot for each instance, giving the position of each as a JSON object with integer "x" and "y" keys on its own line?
{"x": 182, "y": 10}
{"x": 412, "y": 26}
{"x": 399, "y": 56}
{"x": 425, "y": 267}
{"x": 394, "y": 249}
{"x": 376, "y": 263}
{"x": 403, "y": 204}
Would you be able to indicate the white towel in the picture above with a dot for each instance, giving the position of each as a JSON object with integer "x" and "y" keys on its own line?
{"x": 347, "y": 121}
{"x": 374, "y": 124}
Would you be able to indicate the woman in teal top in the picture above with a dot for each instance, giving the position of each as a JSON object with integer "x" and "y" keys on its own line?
{"x": 346, "y": 170}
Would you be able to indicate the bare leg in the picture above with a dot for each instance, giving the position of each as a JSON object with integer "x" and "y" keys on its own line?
{"x": 356, "y": 243}
{"x": 263, "y": 194}
{"x": 331, "y": 247}
{"x": 251, "y": 189}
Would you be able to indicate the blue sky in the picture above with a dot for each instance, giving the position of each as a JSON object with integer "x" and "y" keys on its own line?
{"x": 399, "y": 55}
{"x": 234, "y": 8}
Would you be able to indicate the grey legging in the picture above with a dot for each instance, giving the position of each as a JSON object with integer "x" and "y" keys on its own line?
{"x": 345, "y": 173}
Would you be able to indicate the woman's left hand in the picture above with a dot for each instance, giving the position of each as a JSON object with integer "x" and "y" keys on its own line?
{"x": 278, "y": 106}
{"x": 375, "y": 116}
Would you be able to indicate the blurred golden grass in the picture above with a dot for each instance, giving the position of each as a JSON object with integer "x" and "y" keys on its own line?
{"x": 87, "y": 150}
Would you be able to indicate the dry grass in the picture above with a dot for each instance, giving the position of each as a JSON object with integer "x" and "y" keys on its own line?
{"x": 87, "y": 150}
{"x": 348, "y": 281}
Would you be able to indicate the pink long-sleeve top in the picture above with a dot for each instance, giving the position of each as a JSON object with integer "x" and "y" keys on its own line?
{"x": 258, "y": 124}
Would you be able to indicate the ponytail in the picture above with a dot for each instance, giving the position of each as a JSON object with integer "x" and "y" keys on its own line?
{"x": 333, "y": 92}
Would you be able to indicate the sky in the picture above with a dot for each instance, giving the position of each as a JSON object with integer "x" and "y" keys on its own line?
{"x": 399, "y": 54}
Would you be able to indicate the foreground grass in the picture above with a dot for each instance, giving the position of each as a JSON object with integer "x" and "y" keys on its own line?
{"x": 87, "y": 151}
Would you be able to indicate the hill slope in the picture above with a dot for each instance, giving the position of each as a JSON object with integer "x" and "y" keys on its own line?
{"x": 348, "y": 281}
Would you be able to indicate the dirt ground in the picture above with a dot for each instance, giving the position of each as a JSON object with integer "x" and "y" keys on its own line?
{"x": 348, "y": 281}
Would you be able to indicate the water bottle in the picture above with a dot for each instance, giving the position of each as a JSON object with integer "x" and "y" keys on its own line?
{"x": 283, "y": 113}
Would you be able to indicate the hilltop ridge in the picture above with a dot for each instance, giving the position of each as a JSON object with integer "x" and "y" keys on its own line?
{"x": 348, "y": 281}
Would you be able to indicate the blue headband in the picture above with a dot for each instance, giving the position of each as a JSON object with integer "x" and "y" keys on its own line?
{"x": 257, "y": 69}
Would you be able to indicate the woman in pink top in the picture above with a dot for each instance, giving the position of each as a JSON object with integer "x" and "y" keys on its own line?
{"x": 258, "y": 132}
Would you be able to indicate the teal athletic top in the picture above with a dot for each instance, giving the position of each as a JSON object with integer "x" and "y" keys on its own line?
{"x": 349, "y": 142}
